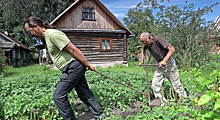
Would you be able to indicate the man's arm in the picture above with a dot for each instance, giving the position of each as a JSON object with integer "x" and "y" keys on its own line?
{"x": 142, "y": 57}
{"x": 77, "y": 54}
{"x": 171, "y": 50}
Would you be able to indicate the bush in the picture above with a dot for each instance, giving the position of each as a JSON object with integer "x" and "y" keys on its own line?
{"x": 217, "y": 39}
{"x": 1, "y": 99}
{"x": 2, "y": 61}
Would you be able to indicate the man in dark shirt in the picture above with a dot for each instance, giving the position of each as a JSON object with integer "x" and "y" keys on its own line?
{"x": 162, "y": 51}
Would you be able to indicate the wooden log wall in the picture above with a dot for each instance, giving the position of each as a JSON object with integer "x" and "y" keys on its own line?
{"x": 72, "y": 18}
{"x": 89, "y": 44}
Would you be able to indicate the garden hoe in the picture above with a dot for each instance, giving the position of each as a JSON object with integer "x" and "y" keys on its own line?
{"x": 156, "y": 102}
{"x": 145, "y": 94}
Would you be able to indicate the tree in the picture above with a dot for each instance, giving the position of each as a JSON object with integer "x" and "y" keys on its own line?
{"x": 184, "y": 28}
{"x": 16, "y": 11}
{"x": 189, "y": 33}
{"x": 140, "y": 19}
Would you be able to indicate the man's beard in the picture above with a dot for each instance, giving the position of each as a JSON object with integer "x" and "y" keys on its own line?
{"x": 36, "y": 36}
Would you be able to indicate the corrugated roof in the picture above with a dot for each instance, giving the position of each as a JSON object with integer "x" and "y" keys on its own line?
{"x": 103, "y": 6}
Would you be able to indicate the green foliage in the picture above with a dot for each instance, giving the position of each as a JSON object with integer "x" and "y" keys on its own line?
{"x": 107, "y": 95}
{"x": 36, "y": 69}
{"x": 3, "y": 67}
{"x": 30, "y": 93}
{"x": 217, "y": 40}
{"x": 207, "y": 81}
{"x": 184, "y": 28}
{"x": 2, "y": 116}
{"x": 16, "y": 11}
{"x": 212, "y": 65}
{"x": 214, "y": 93}
{"x": 190, "y": 34}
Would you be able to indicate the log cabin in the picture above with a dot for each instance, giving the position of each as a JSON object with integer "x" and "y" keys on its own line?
{"x": 16, "y": 53}
{"x": 93, "y": 29}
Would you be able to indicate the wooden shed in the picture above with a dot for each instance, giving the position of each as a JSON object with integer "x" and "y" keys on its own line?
{"x": 92, "y": 28}
{"x": 16, "y": 53}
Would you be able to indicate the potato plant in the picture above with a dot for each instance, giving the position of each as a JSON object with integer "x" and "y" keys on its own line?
{"x": 30, "y": 96}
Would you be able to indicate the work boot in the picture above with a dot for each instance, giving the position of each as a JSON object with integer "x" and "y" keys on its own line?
{"x": 102, "y": 117}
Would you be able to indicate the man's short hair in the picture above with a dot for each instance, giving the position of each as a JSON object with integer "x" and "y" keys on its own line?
{"x": 146, "y": 35}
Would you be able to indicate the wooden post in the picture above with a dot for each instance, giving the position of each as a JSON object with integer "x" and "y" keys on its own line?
{"x": 125, "y": 47}
{"x": 39, "y": 56}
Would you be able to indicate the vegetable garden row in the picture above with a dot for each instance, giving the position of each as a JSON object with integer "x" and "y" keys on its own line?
{"x": 29, "y": 96}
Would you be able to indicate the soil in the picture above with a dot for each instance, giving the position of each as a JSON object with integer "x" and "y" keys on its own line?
{"x": 133, "y": 110}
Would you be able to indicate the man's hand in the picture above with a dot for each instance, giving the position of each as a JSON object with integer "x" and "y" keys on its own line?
{"x": 142, "y": 62}
{"x": 90, "y": 67}
{"x": 162, "y": 63}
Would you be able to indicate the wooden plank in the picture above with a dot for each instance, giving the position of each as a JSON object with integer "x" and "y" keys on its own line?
{"x": 98, "y": 35}
{"x": 104, "y": 59}
{"x": 72, "y": 18}
{"x": 109, "y": 55}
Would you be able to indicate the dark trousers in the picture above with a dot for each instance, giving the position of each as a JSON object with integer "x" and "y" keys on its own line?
{"x": 73, "y": 75}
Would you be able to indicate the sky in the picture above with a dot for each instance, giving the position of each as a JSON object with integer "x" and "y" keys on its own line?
{"x": 120, "y": 7}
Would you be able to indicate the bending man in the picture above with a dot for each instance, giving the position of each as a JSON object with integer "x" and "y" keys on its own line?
{"x": 162, "y": 51}
{"x": 71, "y": 62}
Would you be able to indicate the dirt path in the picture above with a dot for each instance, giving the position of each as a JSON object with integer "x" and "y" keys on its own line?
{"x": 130, "y": 110}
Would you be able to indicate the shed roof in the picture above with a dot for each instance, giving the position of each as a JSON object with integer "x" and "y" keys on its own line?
{"x": 8, "y": 45}
{"x": 14, "y": 41}
{"x": 103, "y": 7}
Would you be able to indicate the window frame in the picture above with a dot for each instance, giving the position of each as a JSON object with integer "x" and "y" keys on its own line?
{"x": 19, "y": 54}
{"x": 24, "y": 54}
{"x": 93, "y": 13}
{"x": 13, "y": 53}
{"x": 105, "y": 39}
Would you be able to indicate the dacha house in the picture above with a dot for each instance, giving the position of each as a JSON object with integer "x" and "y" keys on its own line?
{"x": 92, "y": 28}
{"x": 15, "y": 52}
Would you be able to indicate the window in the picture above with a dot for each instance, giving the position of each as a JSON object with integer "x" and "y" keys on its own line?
{"x": 105, "y": 45}
{"x": 13, "y": 53}
{"x": 88, "y": 13}
{"x": 19, "y": 55}
{"x": 24, "y": 54}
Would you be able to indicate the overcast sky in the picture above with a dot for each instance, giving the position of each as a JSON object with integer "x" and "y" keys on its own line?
{"x": 120, "y": 7}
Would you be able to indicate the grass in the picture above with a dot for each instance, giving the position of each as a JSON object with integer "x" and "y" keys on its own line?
{"x": 27, "y": 70}
{"x": 37, "y": 69}
{"x": 132, "y": 67}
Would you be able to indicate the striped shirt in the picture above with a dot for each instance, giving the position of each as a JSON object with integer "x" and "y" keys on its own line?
{"x": 56, "y": 41}
{"x": 158, "y": 48}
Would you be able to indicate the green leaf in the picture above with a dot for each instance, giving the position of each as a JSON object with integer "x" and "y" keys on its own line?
{"x": 207, "y": 82}
{"x": 209, "y": 114}
{"x": 217, "y": 104}
{"x": 217, "y": 95}
{"x": 201, "y": 79}
{"x": 206, "y": 98}
{"x": 215, "y": 73}
{"x": 123, "y": 109}
{"x": 181, "y": 109}
{"x": 203, "y": 112}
